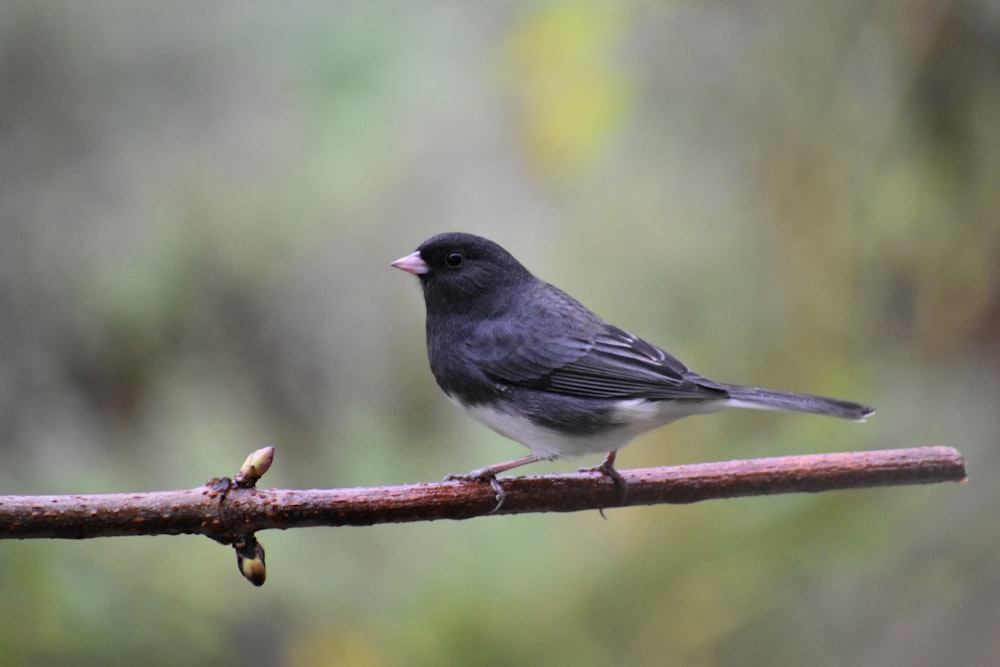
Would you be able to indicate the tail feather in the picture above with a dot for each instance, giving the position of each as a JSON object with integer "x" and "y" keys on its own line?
{"x": 767, "y": 399}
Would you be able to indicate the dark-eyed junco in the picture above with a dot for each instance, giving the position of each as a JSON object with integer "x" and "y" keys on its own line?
{"x": 533, "y": 364}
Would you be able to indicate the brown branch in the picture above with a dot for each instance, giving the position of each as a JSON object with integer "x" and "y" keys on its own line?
{"x": 221, "y": 512}
{"x": 232, "y": 511}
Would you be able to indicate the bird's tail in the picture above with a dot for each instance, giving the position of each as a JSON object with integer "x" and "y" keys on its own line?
{"x": 766, "y": 399}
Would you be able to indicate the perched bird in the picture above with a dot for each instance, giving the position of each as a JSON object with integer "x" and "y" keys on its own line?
{"x": 535, "y": 365}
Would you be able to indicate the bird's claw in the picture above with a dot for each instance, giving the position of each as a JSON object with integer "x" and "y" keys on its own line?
{"x": 607, "y": 468}
{"x": 482, "y": 476}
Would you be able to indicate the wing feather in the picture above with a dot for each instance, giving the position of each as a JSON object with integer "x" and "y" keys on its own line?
{"x": 611, "y": 364}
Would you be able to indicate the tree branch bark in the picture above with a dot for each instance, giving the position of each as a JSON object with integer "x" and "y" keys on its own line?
{"x": 232, "y": 510}
{"x": 222, "y": 511}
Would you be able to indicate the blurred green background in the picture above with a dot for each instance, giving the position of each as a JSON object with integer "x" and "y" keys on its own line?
{"x": 198, "y": 205}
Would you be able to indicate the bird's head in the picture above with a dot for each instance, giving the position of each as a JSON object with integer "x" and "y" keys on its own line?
{"x": 460, "y": 272}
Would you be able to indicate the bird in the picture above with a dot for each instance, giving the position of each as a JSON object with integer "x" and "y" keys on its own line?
{"x": 535, "y": 365}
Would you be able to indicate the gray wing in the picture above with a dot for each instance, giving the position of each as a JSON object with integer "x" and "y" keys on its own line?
{"x": 609, "y": 363}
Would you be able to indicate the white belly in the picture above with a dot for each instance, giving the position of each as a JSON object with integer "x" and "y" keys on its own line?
{"x": 637, "y": 417}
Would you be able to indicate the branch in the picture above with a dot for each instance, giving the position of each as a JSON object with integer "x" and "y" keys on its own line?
{"x": 231, "y": 511}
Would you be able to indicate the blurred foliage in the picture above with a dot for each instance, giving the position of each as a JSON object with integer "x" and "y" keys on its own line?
{"x": 198, "y": 204}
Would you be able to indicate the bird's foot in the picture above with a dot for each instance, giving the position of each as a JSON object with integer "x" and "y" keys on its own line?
{"x": 489, "y": 474}
{"x": 607, "y": 468}
{"x": 483, "y": 475}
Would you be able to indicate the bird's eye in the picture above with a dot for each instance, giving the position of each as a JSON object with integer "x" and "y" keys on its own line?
{"x": 454, "y": 259}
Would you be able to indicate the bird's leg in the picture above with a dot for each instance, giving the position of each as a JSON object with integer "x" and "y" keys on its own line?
{"x": 607, "y": 468}
{"x": 489, "y": 474}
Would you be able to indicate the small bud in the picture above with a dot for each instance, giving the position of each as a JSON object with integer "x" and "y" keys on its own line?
{"x": 250, "y": 560}
{"x": 254, "y": 467}
{"x": 254, "y": 570}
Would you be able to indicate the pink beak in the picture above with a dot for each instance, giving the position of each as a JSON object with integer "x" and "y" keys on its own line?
{"x": 413, "y": 263}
